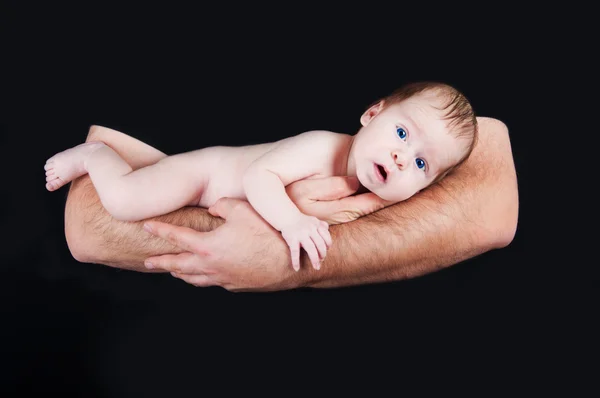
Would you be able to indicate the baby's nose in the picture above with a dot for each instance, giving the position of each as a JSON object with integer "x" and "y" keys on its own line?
{"x": 400, "y": 159}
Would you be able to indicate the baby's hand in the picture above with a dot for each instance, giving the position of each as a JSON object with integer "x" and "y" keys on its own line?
{"x": 310, "y": 233}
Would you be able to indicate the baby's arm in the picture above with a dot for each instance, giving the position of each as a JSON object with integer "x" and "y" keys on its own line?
{"x": 292, "y": 159}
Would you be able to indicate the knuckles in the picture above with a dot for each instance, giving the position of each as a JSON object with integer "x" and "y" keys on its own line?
{"x": 171, "y": 237}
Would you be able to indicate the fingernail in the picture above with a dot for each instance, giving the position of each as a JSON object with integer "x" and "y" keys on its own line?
{"x": 318, "y": 266}
{"x": 147, "y": 228}
{"x": 148, "y": 264}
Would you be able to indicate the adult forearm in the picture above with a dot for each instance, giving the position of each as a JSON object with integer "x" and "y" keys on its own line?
{"x": 93, "y": 236}
{"x": 470, "y": 212}
{"x": 396, "y": 243}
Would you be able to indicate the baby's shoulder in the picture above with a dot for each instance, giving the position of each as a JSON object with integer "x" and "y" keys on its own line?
{"x": 322, "y": 133}
{"x": 320, "y": 141}
{"x": 324, "y": 136}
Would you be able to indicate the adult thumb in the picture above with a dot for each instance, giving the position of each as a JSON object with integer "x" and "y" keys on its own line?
{"x": 334, "y": 188}
{"x": 223, "y": 207}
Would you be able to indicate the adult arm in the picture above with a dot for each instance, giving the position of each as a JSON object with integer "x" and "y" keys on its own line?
{"x": 94, "y": 236}
{"x": 471, "y": 211}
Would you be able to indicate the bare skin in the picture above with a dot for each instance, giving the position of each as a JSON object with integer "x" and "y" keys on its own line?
{"x": 470, "y": 212}
{"x": 389, "y": 158}
{"x": 68, "y": 165}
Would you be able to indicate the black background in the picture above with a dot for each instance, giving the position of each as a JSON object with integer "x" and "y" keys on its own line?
{"x": 179, "y": 80}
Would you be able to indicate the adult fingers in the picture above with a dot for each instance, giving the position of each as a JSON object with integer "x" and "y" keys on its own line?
{"x": 323, "y": 189}
{"x": 352, "y": 207}
{"x": 223, "y": 206}
{"x": 363, "y": 204}
{"x": 196, "y": 280}
{"x": 335, "y": 188}
{"x": 185, "y": 238}
{"x": 187, "y": 263}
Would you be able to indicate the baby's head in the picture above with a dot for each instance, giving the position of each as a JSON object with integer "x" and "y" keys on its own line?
{"x": 411, "y": 139}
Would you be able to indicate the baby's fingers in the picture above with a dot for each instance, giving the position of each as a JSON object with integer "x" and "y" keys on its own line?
{"x": 320, "y": 245}
{"x": 295, "y": 252}
{"x": 324, "y": 232}
{"x": 311, "y": 250}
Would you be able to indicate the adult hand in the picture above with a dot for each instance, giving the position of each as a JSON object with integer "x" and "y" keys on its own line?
{"x": 329, "y": 199}
{"x": 246, "y": 253}
{"x": 243, "y": 254}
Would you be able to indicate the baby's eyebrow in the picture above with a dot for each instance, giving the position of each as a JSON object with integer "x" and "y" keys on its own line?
{"x": 429, "y": 155}
{"x": 414, "y": 126}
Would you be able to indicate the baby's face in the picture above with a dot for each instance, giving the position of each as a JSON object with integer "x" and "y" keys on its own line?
{"x": 402, "y": 148}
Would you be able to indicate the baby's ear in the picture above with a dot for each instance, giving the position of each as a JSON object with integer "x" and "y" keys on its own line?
{"x": 371, "y": 113}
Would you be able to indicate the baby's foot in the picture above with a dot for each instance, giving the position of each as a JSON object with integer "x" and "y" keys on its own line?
{"x": 67, "y": 165}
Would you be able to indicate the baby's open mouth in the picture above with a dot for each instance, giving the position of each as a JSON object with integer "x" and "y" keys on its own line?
{"x": 382, "y": 171}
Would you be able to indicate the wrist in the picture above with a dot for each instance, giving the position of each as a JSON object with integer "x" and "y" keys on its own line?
{"x": 289, "y": 220}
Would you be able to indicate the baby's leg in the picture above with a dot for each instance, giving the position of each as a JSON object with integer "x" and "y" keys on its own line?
{"x": 66, "y": 166}
{"x": 168, "y": 185}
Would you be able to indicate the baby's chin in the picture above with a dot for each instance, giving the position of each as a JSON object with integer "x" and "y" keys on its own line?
{"x": 362, "y": 187}
{"x": 367, "y": 186}
{"x": 391, "y": 196}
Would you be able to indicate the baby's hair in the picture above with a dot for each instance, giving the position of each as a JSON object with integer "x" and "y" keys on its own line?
{"x": 459, "y": 113}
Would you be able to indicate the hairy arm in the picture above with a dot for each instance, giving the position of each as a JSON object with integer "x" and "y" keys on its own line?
{"x": 470, "y": 212}
{"x": 94, "y": 236}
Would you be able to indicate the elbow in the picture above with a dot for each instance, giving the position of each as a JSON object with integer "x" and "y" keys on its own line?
{"x": 496, "y": 233}
{"x": 77, "y": 241}
{"x": 505, "y": 233}
{"x": 78, "y": 252}
{"x": 502, "y": 212}
{"x": 77, "y": 225}
{"x": 503, "y": 223}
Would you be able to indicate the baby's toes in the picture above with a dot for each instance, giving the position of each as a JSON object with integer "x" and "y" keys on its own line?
{"x": 53, "y": 183}
{"x": 49, "y": 164}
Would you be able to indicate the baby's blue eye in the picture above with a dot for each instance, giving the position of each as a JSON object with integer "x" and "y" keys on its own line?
{"x": 420, "y": 163}
{"x": 401, "y": 133}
